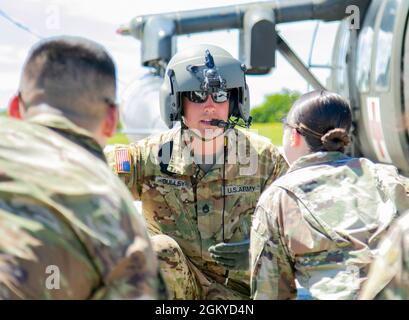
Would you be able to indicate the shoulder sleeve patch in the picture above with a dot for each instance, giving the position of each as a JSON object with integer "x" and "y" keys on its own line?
{"x": 122, "y": 160}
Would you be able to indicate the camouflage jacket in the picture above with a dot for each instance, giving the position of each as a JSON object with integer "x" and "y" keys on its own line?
{"x": 68, "y": 227}
{"x": 182, "y": 201}
{"x": 316, "y": 228}
{"x": 389, "y": 274}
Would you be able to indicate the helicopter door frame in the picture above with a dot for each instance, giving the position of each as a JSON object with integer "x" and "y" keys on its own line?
{"x": 386, "y": 83}
{"x": 381, "y": 117}
{"x": 361, "y": 72}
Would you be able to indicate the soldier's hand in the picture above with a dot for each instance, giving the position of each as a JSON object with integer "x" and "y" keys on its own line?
{"x": 234, "y": 255}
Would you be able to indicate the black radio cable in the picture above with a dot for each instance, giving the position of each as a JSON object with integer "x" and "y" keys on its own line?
{"x": 224, "y": 194}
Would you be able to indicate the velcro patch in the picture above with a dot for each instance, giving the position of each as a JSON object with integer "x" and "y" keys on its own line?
{"x": 122, "y": 161}
{"x": 241, "y": 189}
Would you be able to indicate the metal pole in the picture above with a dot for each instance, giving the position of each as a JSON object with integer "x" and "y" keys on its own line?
{"x": 298, "y": 65}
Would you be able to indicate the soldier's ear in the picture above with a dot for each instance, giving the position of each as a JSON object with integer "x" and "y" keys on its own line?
{"x": 110, "y": 122}
{"x": 14, "y": 107}
{"x": 295, "y": 138}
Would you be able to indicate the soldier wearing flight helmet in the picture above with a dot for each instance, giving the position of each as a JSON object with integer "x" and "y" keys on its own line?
{"x": 199, "y": 182}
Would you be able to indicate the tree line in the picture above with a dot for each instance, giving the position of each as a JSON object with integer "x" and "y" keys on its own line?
{"x": 275, "y": 106}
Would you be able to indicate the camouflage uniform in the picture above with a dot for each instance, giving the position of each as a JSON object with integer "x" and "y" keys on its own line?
{"x": 316, "y": 228}
{"x": 184, "y": 205}
{"x": 389, "y": 274}
{"x": 68, "y": 228}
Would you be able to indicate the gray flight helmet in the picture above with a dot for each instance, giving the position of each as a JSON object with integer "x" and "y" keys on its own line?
{"x": 204, "y": 68}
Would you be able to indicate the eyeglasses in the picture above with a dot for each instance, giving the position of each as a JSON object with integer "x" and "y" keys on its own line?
{"x": 201, "y": 96}
{"x": 286, "y": 124}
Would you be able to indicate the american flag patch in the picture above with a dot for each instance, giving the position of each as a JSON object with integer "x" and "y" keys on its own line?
{"x": 122, "y": 160}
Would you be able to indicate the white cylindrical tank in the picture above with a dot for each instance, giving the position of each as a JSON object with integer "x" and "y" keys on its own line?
{"x": 139, "y": 108}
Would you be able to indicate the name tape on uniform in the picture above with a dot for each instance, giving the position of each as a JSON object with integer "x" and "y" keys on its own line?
{"x": 171, "y": 182}
{"x": 241, "y": 189}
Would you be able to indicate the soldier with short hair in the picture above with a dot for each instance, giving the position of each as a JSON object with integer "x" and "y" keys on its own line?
{"x": 199, "y": 182}
{"x": 68, "y": 227}
{"x": 316, "y": 229}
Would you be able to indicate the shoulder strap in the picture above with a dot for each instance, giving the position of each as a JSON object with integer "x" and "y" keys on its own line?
{"x": 164, "y": 155}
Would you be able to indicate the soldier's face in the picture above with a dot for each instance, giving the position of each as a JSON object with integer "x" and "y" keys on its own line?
{"x": 294, "y": 145}
{"x": 198, "y": 115}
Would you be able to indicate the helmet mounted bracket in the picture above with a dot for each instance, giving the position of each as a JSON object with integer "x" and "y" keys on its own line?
{"x": 208, "y": 75}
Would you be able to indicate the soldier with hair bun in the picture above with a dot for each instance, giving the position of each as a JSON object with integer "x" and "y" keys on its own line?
{"x": 316, "y": 229}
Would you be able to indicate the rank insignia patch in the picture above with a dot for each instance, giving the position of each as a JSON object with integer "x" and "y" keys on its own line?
{"x": 123, "y": 161}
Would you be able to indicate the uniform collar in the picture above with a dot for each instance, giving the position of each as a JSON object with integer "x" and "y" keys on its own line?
{"x": 70, "y": 131}
{"x": 181, "y": 161}
{"x": 317, "y": 158}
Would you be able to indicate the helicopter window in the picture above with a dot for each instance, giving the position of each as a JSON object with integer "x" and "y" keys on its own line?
{"x": 384, "y": 45}
{"x": 365, "y": 48}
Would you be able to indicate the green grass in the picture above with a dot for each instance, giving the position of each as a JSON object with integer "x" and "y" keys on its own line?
{"x": 273, "y": 131}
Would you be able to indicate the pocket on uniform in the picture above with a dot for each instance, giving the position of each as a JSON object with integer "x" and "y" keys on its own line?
{"x": 257, "y": 243}
{"x": 181, "y": 222}
{"x": 239, "y": 210}
{"x": 328, "y": 275}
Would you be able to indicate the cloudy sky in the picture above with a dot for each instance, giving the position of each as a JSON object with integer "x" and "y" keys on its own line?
{"x": 98, "y": 20}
